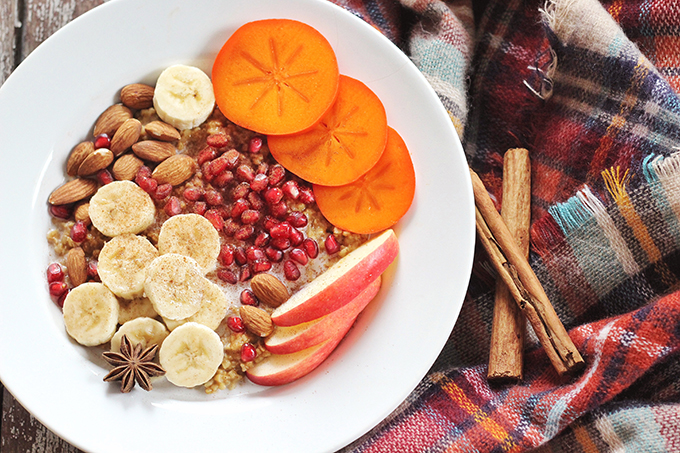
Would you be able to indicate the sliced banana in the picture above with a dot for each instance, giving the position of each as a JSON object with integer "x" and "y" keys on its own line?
{"x": 121, "y": 207}
{"x": 135, "y": 308}
{"x": 146, "y": 331}
{"x": 183, "y": 96}
{"x": 191, "y": 354}
{"x": 213, "y": 308}
{"x": 191, "y": 235}
{"x": 122, "y": 264}
{"x": 174, "y": 284}
{"x": 91, "y": 314}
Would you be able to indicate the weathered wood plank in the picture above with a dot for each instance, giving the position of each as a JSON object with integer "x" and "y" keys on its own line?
{"x": 9, "y": 20}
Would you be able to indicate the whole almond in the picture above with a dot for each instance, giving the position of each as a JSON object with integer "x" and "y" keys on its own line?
{"x": 125, "y": 168}
{"x": 175, "y": 170}
{"x": 72, "y": 191}
{"x": 137, "y": 96}
{"x": 162, "y": 131}
{"x": 77, "y": 156}
{"x": 127, "y": 135}
{"x": 153, "y": 150}
{"x": 111, "y": 119}
{"x": 269, "y": 289}
{"x": 98, "y": 160}
{"x": 77, "y": 266}
{"x": 82, "y": 213}
{"x": 256, "y": 320}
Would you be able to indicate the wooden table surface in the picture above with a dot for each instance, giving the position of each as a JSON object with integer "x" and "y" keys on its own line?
{"x": 24, "y": 24}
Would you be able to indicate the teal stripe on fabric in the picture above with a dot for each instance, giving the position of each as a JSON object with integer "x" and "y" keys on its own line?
{"x": 637, "y": 429}
{"x": 661, "y": 197}
{"x": 448, "y": 66}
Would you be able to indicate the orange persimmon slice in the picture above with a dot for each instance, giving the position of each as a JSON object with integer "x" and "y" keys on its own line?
{"x": 378, "y": 199}
{"x": 345, "y": 144}
{"x": 275, "y": 76}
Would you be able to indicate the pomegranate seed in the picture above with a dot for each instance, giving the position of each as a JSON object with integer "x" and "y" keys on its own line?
{"x": 173, "y": 207}
{"x": 246, "y": 273}
{"x": 298, "y": 255}
{"x": 149, "y": 185}
{"x": 276, "y": 174}
{"x": 239, "y": 207}
{"x": 215, "y": 218}
{"x": 217, "y": 140}
{"x": 55, "y": 273}
{"x": 79, "y": 231}
{"x": 162, "y": 192}
{"x": 57, "y": 289}
{"x": 255, "y": 145}
{"x": 232, "y": 156}
{"x": 143, "y": 172}
{"x": 259, "y": 266}
{"x": 261, "y": 239}
{"x": 102, "y": 141}
{"x": 250, "y": 217}
{"x": 193, "y": 193}
{"x": 231, "y": 227}
{"x": 296, "y": 237}
{"x": 306, "y": 195}
{"x": 297, "y": 219}
{"x": 311, "y": 247}
{"x": 245, "y": 173}
{"x": 255, "y": 201}
{"x": 240, "y": 191}
{"x": 280, "y": 243}
{"x": 213, "y": 198}
{"x": 217, "y": 166}
{"x": 248, "y": 352}
{"x": 240, "y": 256}
{"x": 263, "y": 168}
{"x": 291, "y": 190}
{"x": 93, "y": 270}
{"x": 235, "y": 324}
{"x": 280, "y": 230}
{"x": 279, "y": 210}
{"x": 60, "y": 300}
{"x": 273, "y": 195}
{"x": 227, "y": 275}
{"x": 254, "y": 253}
{"x": 226, "y": 256}
{"x": 259, "y": 182}
{"x": 273, "y": 254}
{"x": 223, "y": 179}
{"x": 61, "y": 211}
{"x": 104, "y": 177}
{"x": 291, "y": 271}
{"x": 244, "y": 233}
{"x": 331, "y": 245}
{"x": 206, "y": 155}
{"x": 248, "y": 298}
{"x": 200, "y": 208}
{"x": 269, "y": 222}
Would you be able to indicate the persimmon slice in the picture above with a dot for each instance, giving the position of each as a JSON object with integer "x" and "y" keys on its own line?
{"x": 275, "y": 76}
{"x": 343, "y": 145}
{"x": 378, "y": 199}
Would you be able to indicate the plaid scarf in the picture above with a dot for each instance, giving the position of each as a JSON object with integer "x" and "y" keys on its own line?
{"x": 591, "y": 89}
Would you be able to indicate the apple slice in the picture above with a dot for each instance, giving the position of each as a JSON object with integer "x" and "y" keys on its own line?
{"x": 341, "y": 283}
{"x": 279, "y": 369}
{"x": 287, "y": 340}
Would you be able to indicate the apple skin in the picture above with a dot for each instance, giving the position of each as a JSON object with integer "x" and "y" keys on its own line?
{"x": 280, "y": 369}
{"x": 286, "y": 340}
{"x": 341, "y": 283}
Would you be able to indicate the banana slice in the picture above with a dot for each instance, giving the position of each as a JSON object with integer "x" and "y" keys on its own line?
{"x": 183, "y": 96}
{"x": 174, "y": 284}
{"x": 213, "y": 309}
{"x": 122, "y": 264}
{"x": 121, "y": 207}
{"x": 191, "y": 354}
{"x": 91, "y": 314}
{"x": 135, "y": 308}
{"x": 191, "y": 235}
{"x": 146, "y": 331}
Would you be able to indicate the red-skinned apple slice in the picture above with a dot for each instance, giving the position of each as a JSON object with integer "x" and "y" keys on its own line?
{"x": 280, "y": 369}
{"x": 341, "y": 283}
{"x": 286, "y": 340}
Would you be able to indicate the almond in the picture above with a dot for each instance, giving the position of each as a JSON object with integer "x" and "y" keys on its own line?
{"x": 256, "y": 320}
{"x": 153, "y": 150}
{"x": 127, "y": 135}
{"x": 269, "y": 289}
{"x": 125, "y": 168}
{"x": 98, "y": 160}
{"x": 77, "y": 266}
{"x": 72, "y": 191}
{"x": 82, "y": 213}
{"x": 137, "y": 96}
{"x": 162, "y": 131}
{"x": 77, "y": 156}
{"x": 111, "y": 119}
{"x": 175, "y": 170}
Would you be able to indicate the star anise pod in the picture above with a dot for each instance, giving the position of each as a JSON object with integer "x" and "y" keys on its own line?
{"x": 132, "y": 364}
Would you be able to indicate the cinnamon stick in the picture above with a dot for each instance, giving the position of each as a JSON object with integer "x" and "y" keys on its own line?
{"x": 525, "y": 288}
{"x": 508, "y": 328}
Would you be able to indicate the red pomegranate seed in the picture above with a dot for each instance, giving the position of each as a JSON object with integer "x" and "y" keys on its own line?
{"x": 298, "y": 255}
{"x": 259, "y": 266}
{"x": 250, "y": 217}
{"x": 206, "y": 155}
{"x": 227, "y": 275}
{"x": 273, "y": 195}
{"x": 60, "y": 300}
{"x": 217, "y": 166}
{"x": 259, "y": 182}
{"x": 240, "y": 256}
{"x": 232, "y": 156}
{"x": 79, "y": 231}
{"x": 240, "y": 191}
{"x": 279, "y": 210}
{"x": 311, "y": 247}
{"x": 143, "y": 172}
{"x": 57, "y": 289}
{"x": 291, "y": 189}
{"x": 93, "y": 270}
{"x": 291, "y": 271}
{"x": 213, "y": 198}
{"x": 263, "y": 168}
{"x": 280, "y": 230}
{"x": 248, "y": 352}
{"x": 248, "y": 297}
{"x": 235, "y": 324}
{"x": 55, "y": 273}
{"x": 104, "y": 177}
{"x": 231, "y": 227}
{"x": 255, "y": 145}
{"x": 239, "y": 207}
{"x": 296, "y": 237}
{"x": 297, "y": 219}
{"x": 255, "y": 201}
{"x": 149, "y": 185}
{"x": 246, "y": 273}
{"x": 261, "y": 239}
{"x": 254, "y": 253}
{"x": 226, "y": 256}
{"x": 245, "y": 173}
{"x": 269, "y": 222}
{"x": 102, "y": 141}
{"x": 331, "y": 244}
{"x": 306, "y": 195}
{"x": 217, "y": 140}
{"x": 61, "y": 211}
{"x": 173, "y": 207}
{"x": 223, "y": 179}
{"x": 162, "y": 192}
{"x": 215, "y": 218}
{"x": 200, "y": 208}
{"x": 244, "y": 233}
{"x": 276, "y": 174}
{"x": 275, "y": 255}
{"x": 193, "y": 193}
{"x": 280, "y": 243}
